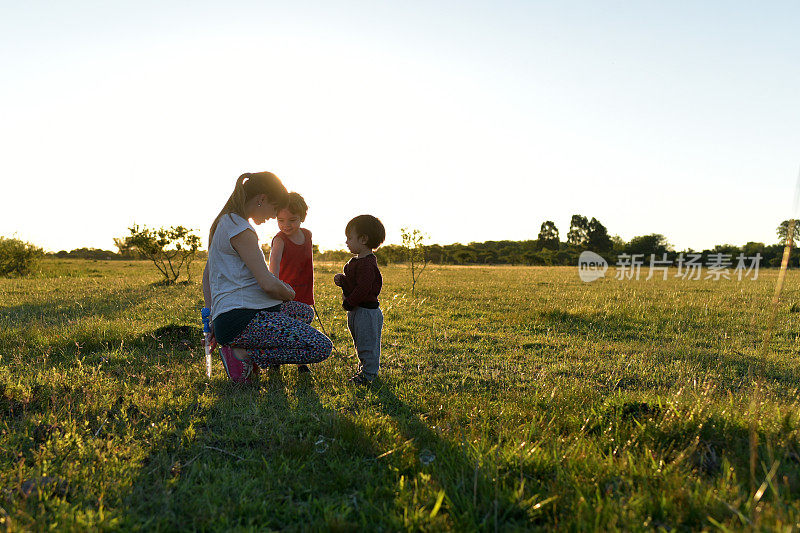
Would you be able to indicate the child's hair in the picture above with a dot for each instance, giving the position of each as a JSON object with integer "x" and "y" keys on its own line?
{"x": 248, "y": 185}
{"x": 297, "y": 205}
{"x": 370, "y": 227}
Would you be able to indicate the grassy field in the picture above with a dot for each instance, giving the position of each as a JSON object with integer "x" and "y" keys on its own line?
{"x": 511, "y": 398}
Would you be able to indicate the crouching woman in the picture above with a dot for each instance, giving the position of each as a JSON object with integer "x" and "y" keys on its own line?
{"x": 244, "y": 297}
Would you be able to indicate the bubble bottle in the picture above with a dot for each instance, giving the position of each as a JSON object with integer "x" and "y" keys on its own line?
{"x": 205, "y": 313}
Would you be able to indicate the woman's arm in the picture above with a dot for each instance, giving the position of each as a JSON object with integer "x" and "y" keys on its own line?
{"x": 246, "y": 245}
{"x": 275, "y": 255}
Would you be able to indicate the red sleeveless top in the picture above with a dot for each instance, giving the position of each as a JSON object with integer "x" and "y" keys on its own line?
{"x": 297, "y": 267}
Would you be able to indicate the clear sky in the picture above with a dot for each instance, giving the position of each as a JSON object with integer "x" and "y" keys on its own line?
{"x": 470, "y": 120}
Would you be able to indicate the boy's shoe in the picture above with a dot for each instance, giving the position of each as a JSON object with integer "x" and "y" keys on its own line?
{"x": 238, "y": 371}
{"x": 360, "y": 379}
{"x": 303, "y": 369}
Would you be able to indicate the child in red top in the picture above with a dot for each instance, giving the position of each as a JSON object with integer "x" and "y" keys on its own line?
{"x": 291, "y": 260}
{"x": 290, "y": 257}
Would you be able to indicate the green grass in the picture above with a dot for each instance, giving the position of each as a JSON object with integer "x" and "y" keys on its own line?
{"x": 511, "y": 398}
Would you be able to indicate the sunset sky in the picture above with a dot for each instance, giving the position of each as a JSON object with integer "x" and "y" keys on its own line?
{"x": 470, "y": 120}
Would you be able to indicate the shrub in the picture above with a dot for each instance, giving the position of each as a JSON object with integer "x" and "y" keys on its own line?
{"x": 18, "y": 258}
{"x": 415, "y": 253}
{"x": 170, "y": 249}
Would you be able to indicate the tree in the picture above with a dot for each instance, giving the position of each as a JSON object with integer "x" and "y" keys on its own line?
{"x": 18, "y": 258}
{"x": 618, "y": 244}
{"x": 487, "y": 256}
{"x": 752, "y": 248}
{"x": 548, "y": 236}
{"x": 463, "y": 255}
{"x": 435, "y": 253}
{"x": 578, "y": 234}
{"x": 170, "y": 249}
{"x": 783, "y": 231}
{"x": 415, "y": 253}
{"x": 655, "y": 243}
{"x": 126, "y": 250}
{"x": 89, "y": 253}
{"x": 730, "y": 249}
{"x": 597, "y": 239}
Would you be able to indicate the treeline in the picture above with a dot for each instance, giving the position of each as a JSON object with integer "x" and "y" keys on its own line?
{"x": 105, "y": 255}
{"x": 587, "y": 234}
{"x": 546, "y": 249}
{"x": 505, "y": 253}
{"x": 531, "y": 253}
{"x": 92, "y": 253}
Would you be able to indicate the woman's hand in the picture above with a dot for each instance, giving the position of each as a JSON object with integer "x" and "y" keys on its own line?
{"x": 290, "y": 289}
{"x": 211, "y": 340}
{"x": 338, "y": 279}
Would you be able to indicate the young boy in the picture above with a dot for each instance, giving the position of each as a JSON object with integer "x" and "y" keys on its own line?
{"x": 361, "y": 283}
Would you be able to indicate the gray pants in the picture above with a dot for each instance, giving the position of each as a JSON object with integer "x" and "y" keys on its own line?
{"x": 365, "y": 326}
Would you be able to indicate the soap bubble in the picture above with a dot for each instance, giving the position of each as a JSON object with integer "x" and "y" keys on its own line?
{"x": 321, "y": 446}
{"x": 426, "y": 457}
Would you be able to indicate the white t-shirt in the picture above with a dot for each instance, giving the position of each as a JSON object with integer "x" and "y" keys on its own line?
{"x": 233, "y": 286}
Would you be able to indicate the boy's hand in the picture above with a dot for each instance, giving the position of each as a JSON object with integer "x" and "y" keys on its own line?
{"x": 337, "y": 279}
{"x": 346, "y": 305}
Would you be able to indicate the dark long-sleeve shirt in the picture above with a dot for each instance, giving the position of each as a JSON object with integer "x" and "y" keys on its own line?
{"x": 362, "y": 283}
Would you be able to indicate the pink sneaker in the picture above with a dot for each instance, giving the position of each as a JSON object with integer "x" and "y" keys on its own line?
{"x": 238, "y": 371}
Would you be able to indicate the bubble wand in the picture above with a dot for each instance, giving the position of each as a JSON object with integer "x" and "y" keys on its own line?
{"x": 326, "y": 333}
{"x": 205, "y": 313}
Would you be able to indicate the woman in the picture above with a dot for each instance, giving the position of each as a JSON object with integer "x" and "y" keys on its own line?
{"x": 244, "y": 297}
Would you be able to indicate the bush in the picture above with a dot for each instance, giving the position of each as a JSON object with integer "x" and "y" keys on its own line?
{"x": 416, "y": 255}
{"x": 18, "y": 258}
{"x": 171, "y": 250}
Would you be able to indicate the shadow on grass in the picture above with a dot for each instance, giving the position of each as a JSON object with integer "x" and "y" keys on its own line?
{"x": 263, "y": 457}
{"x": 738, "y": 369}
{"x": 259, "y": 457}
{"x": 475, "y": 499}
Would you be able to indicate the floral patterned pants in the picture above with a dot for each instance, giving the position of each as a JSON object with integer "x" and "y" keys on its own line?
{"x": 284, "y": 337}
